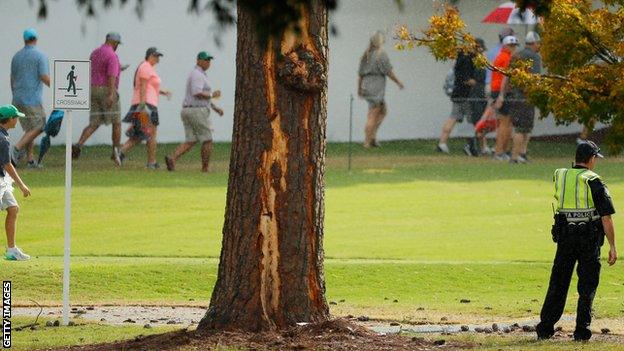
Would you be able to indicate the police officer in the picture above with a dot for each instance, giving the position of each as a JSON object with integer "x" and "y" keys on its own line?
{"x": 582, "y": 219}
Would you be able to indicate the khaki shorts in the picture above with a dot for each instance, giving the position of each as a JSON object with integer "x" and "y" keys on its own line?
{"x": 100, "y": 113}
{"x": 197, "y": 126}
{"x": 35, "y": 117}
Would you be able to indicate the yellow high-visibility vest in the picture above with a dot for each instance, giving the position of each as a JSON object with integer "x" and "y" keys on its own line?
{"x": 573, "y": 194}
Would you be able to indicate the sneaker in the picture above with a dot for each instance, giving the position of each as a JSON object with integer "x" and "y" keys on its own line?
{"x": 488, "y": 151}
{"x": 468, "y": 150}
{"x": 523, "y": 158}
{"x": 122, "y": 158}
{"x": 170, "y": 163}
{"x": 116, "y": 155}
{"x": 580, "y": 141}
{"x": 34, "y": 164}
{"x": 443, "y": 148}
{"x": 15, "y": 254}
{"x": 501, "y": 157}
{"x": 76, "y": 150}
{"x": 153, "y": 166}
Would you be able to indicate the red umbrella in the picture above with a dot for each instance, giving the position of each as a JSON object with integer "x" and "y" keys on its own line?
{"x": 508, "y": 13}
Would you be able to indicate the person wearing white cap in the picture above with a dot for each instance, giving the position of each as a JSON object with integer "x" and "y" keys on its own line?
{"x": 499, "y": 94}
{"x": 523, "y": 113}
{"x": 105, "y": 109}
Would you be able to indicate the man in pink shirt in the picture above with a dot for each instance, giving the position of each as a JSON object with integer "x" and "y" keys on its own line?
{"x": 105, "y": 109}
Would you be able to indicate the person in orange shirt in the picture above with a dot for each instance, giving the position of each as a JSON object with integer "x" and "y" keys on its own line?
{"x": 500, "y": 90}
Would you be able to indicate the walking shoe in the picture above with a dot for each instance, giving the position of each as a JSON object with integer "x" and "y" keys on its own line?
{"x": 501, "y": 157}
{"x": 116, "y": 156}
{"x": 76, "y": 150}
{"x": 170, "y": 163}
{"x": 487, "y": 151}
{"x": 15, "y": 254}
{"x": 523, "y": 158}
{"x": 34, "y": 164}
{"x": 468, "y": 150}
{"x": 122, "y": 158}
{"x": 544, "y": 332}
{"x": 443, "y": 148}
{"x": 153, "y": 166}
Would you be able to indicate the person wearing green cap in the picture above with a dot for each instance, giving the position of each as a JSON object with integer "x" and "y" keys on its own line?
{"x": 196, "y": 114}
{"x": 8, "y": 174}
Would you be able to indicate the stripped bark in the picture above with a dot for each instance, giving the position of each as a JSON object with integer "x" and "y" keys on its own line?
{"x": 271, "y": 269}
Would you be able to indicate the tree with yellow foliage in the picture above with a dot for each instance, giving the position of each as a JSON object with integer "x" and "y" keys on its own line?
{"x": 582, "y": 51}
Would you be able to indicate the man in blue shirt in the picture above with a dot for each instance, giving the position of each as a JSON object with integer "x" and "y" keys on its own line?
{"x": 29, "y": 71}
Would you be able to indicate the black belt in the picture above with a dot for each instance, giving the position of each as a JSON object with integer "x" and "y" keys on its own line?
{"x": 195, "y": 106}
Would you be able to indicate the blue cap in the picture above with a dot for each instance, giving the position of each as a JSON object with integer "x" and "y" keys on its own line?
{"x": 30, "y": 34}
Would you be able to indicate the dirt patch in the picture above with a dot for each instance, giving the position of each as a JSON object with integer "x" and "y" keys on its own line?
{"x": 339, "y": 335}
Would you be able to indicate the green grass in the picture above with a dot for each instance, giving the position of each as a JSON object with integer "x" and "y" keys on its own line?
{"x": 405, "y": 223}
{"x": 527, "y": 342}
{"x": 81, "y": 334}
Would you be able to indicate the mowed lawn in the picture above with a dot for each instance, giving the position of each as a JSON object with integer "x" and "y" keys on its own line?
{"x": 404, "y": 224}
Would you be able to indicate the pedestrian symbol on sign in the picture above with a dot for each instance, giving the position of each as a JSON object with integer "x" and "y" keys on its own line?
{"x": 72, "y": 78}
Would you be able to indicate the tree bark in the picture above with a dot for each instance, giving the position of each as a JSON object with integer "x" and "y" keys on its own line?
{"x": 271, "y": 268}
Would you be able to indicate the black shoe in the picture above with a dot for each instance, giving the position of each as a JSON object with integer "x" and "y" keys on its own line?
{"x": 170, "y": 163}
{"x": 76, "y": 150}
{"x": 468, "y": 150}
{"x": 544, "y": 332}
{"x": 583, "y": 334}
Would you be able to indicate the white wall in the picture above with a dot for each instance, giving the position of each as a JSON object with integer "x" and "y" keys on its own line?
{"x": 416, "y": 112}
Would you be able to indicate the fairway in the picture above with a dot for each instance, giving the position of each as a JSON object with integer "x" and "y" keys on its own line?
{"x": 405, "y": 224}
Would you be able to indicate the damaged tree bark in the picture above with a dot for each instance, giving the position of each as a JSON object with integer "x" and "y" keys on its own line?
{"x": 271, "y": 269}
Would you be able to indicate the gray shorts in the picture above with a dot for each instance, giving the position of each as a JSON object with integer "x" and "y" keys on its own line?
{"x": 197, "y": 126}
{"x": 35, "y": 117}
{"x": 522, "y": 116}
{"x": 461, "y": 110}
{"x": 100, "y": 113}
{"x": 7, "y": 200}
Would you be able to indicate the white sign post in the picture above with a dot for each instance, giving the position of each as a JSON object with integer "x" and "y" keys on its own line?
{"x": 72, "y": 91}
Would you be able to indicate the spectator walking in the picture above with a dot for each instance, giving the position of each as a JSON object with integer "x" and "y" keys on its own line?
{"x": 500, "y": 96}
{"x": 145, "y": 101}
{"x": 522, "y": 112}
{"x": 105, "y": 108}
{"x": 8, "y": 119}
{"x": 374, "y": 67}
{"x": 29, "y": 71}
{"x": 196, "y": 114}
{"x": 467, "y": 82}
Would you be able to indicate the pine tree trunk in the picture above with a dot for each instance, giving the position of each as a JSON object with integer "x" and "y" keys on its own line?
{"x": 271, "y": 268}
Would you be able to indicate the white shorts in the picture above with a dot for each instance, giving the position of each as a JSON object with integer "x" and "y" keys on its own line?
{"x": 7, "y": 200}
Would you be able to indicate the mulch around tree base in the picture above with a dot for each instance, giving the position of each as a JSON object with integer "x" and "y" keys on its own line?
{"x": 332, "y": 335}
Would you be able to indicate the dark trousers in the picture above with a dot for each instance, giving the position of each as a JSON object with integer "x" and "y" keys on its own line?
{"x": 580, "y": 245}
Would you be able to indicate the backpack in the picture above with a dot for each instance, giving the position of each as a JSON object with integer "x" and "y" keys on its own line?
{"x": 449, "y": 82}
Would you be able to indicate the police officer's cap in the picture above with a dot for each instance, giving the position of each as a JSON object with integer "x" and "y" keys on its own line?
{"x": 587, "y": 149}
